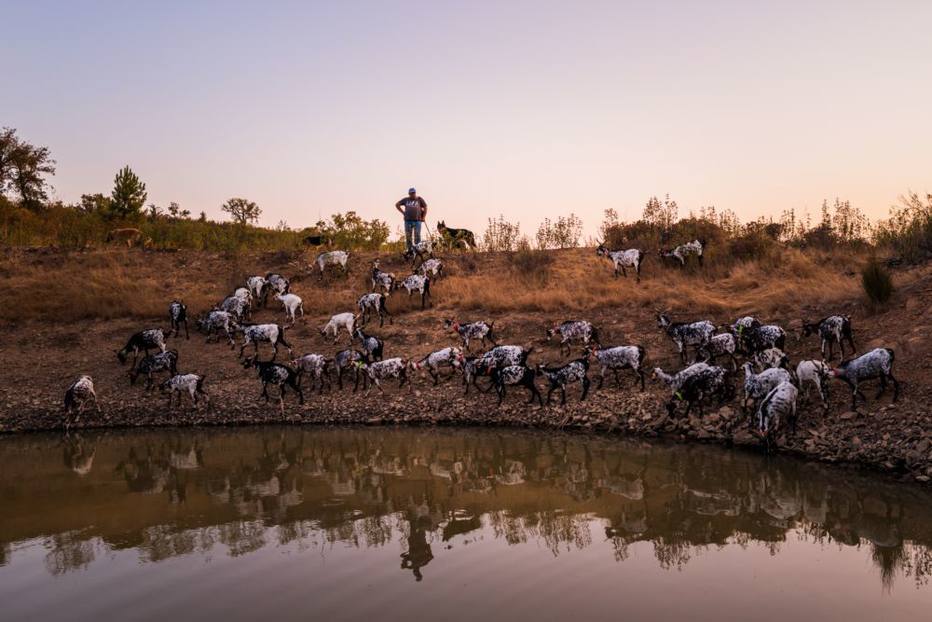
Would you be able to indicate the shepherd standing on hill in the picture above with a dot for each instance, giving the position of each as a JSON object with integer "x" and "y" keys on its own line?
{"x": 414, "y": 209}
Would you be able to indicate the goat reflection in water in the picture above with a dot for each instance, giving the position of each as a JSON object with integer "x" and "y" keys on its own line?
{"x": 250, "y": 488}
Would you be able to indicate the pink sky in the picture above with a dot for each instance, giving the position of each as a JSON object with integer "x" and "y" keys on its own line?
{"x": 531, "y": 109}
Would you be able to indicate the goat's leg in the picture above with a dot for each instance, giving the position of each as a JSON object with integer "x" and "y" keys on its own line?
{"x": 534, "y": 391}
{"x": 883, "y": 387}
{"x": 896, "y": 387}
{"x": 624, "y": 272}
{"x": 562, "y": 395}
{"x": 585, "y": 387}
{"x": 300, "y": 393}
{"x": 640, "y": 373}
{"x": 265, "y": 392}
{"x": 434, "y": 375}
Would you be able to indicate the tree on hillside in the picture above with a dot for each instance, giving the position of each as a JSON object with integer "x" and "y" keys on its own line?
{"x": 8, "y": 143}
{"x": 661, "y": 215}
{"x": 352, "y": 231}
{"x": 175, "y": 211}
{"x": 94, "y": 204}
{"x": 23, "y": 168}
{"x": 129, "y": 194}
{"x": 242, "y": 211}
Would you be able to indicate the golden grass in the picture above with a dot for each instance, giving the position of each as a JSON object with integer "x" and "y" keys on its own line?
{"x": 136, "y": 283}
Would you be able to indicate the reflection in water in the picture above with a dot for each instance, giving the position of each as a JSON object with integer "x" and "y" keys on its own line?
{"x": 171, "y": 493}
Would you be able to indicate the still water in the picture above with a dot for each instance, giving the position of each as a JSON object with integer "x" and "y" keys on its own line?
{"x": 387, "y": 524}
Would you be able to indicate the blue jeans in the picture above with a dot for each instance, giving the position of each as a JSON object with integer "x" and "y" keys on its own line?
{"x": 412, "y": 229}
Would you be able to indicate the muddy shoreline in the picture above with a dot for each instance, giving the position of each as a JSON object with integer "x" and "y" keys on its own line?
{"x": 875, "y": 440}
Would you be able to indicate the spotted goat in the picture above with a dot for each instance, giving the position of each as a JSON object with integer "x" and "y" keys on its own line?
{"x": 276, "y": 374}
{"x": 217, "y": 321}
{"x": 682, "y": 252}
{"x": 685, "y": 334}
{"x": 154, "y": 363}
{"x": 623, "y": 259}
{"x": 876, "y": 364}
{"x": 471, "y": 331}
{"x": 417, "y": 283}
{"x": 384, "y": 281}
{"x": 573, "y": 332}
{"x": 496, "y": 358}
{"x": 831, "y": 330}
{"x": 317, "y": 367}
{"x": 757, "y": 386}
{"x": 371, "y": 345}
{"x": 722, "y": 344}
{"x": 143, "y": 341}
{"x": 516, "y": 375}
{"x": 79, "y": 395}
{"x": 272, "y": 334}
{"x": 235, "y": 306}
{"x": 433, "y": 268}
{"x": 347, "y": 361}
{"x": 771, "y": 357}
{"x": 812, "y": 372}
{"x": 259, "y": 289}
{"x": 559, "y": 377}
{"x": 382, "y": 370}
{"x": 421, "y": 251}
{"x": 451, "y": 358}
{"x": 777, "y": 407}
{"x": 178, "y": 316}
{"x": 759, "y": 338}
{"x": 277, "y": 283}
{"x": 696, "y": 383}
{"x": 617, "y": 358}
{"x": 373, "y": 303}
{"x": 192, "y": 384}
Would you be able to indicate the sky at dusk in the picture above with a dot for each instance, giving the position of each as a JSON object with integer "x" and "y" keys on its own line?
{"x": 528, "y": 109}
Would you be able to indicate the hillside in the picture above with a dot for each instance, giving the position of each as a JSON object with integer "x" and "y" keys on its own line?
{"x": 65, "y": 314}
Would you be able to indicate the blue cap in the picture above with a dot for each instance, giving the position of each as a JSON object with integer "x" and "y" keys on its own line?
{"x": 412, "y": 191}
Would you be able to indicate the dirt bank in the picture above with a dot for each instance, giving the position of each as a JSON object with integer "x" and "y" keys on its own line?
{"x": 41, "y": 358}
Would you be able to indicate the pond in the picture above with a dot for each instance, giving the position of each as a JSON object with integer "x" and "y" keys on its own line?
{"x": 282, "y": 523}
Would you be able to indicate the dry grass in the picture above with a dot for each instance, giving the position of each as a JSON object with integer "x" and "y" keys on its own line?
{"x": 134, "y": 283}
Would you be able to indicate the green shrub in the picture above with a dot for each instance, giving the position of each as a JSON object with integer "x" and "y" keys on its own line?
{"x": 877, "y": 283}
